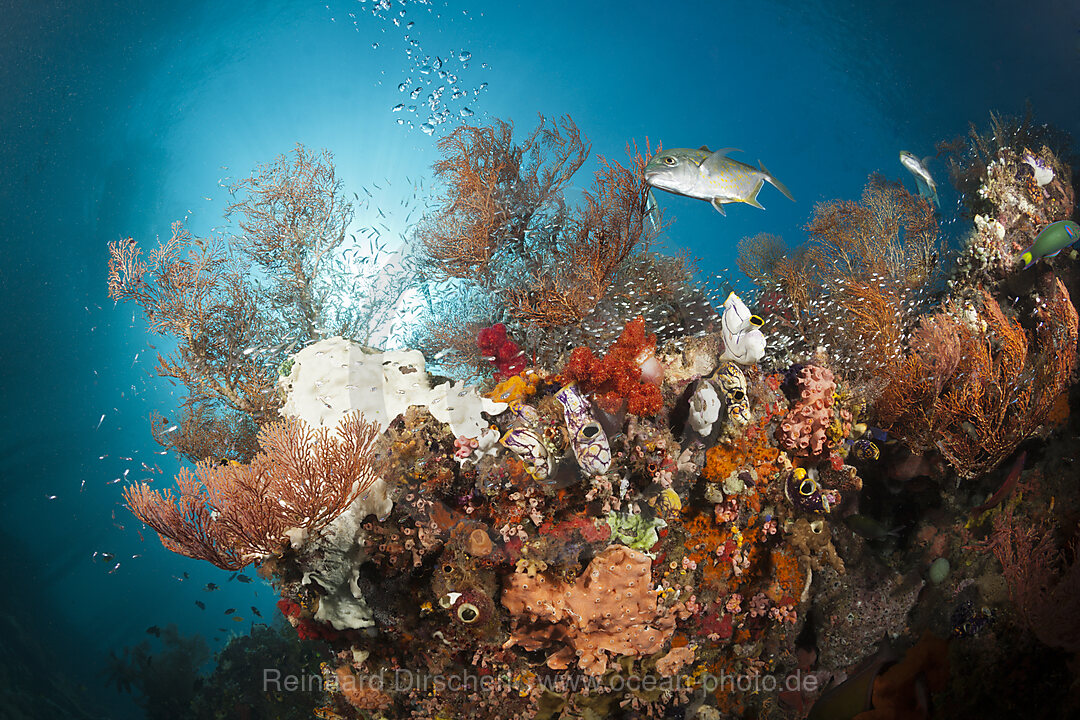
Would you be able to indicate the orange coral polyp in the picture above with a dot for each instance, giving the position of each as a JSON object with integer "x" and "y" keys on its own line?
{"x": 515, "y": 387}
{"x": 751, "y": 450}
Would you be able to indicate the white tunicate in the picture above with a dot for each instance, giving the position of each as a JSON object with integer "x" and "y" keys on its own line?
{"x": 464, "y": 56}
{"x": 399, "y": 107}
{"x": 466, "y": 112}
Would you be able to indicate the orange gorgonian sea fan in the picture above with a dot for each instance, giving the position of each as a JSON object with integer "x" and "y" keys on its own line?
{"x": 234, "y": 514}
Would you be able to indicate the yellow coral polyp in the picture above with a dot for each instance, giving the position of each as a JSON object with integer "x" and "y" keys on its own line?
{"x": 751, "y": 450}
{"x": 516, "y": 387}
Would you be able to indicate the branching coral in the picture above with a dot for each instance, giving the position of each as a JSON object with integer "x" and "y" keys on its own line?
{"x": 506, "y": 244}
{"x": 974, "y": 386}
{"x": 237, "y": 304}
{"x": 854, "y": 287}
{"x": 1043, "y": 578}
{"x": 498, "y": 193}
{"x": 191, "y": 289}
{"x": 233, "y": 514}
{"x": 293, "y": 220}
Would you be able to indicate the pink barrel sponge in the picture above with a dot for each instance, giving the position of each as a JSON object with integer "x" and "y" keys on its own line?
{"x": 804, "y": 430}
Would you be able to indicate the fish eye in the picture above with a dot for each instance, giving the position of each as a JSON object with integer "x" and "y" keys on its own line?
{"x": 468, "y": 613}
{"x": 670, "y": 161}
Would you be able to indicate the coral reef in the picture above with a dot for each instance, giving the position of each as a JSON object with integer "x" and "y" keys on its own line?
{"x": 643, "y": 497}
{"x": 238, "y": 304}
{"x": 511, "y": 250}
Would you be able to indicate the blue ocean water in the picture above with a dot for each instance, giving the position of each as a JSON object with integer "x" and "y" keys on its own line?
{"x": 120, "y": 117}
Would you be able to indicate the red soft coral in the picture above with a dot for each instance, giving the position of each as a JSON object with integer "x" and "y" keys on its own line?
{"x": 503, "y": 352}
{"x": 617, "y": 376}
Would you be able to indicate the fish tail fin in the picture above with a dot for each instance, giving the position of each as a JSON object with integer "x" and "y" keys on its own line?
{"x": 775, "y": 183}
{"x": 751, "y": 199}
{"x": 927, "y": 191}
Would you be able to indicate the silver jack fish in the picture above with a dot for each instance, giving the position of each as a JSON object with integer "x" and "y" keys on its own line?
{"x": 709, "y": 175}
{"x": 925, "y": 183}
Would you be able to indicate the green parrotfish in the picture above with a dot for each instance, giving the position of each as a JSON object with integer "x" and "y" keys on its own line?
{"x": 709, "y": 175}
{"x": 1054, "y": 238}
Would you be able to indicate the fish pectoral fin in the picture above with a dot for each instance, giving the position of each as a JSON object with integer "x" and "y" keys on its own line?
{"x": 751, "y": 199}
{"x": 719, "y": 205}
{"x": 775, "y": 183}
